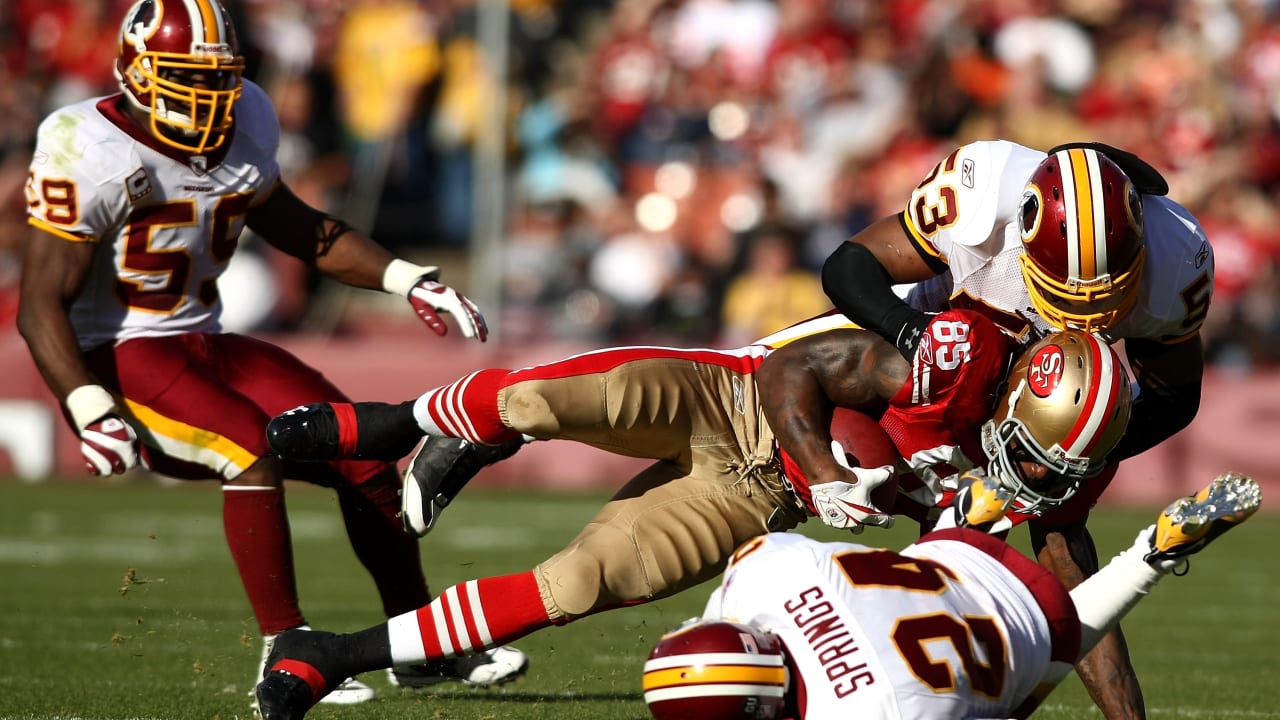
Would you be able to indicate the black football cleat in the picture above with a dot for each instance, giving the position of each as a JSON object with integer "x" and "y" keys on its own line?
{"x": 298, "y": 673}
{"x": 320, "y": 432}
{"x": 438, "y": 472}
{"x": 282, "y": 696}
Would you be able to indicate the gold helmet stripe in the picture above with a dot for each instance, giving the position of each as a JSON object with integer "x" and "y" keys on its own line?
{"x": 1086, "y": 227}
{"x": 209, "y": 16}
{"x": 693, "y": 673}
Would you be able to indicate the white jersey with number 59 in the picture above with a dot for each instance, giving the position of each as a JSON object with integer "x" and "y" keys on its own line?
{"x": 963, "y": 214}
{"x": 165, "y": 223}
{"x": 949, "y": 627}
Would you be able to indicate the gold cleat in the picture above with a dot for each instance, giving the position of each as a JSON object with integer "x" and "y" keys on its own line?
{"x": 982, "y": 502}
{"x": 1190, "y": 523}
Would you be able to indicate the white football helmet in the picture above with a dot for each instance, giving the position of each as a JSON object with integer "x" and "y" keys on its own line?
{"x": 1066, "y": 407}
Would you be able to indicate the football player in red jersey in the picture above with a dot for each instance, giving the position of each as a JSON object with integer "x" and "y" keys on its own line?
{"x": 803, "y": 629}
{"x": 136, "y": 202}
{"x": 741, "y": 444}
{"x": 1082, "y": 236}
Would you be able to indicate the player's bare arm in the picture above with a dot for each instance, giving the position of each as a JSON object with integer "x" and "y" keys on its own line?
{"x": 54, "y": 270}
{"x": 319, "y": 239}
{"x": 1170, "y": 377}
{"x": 859, "y": 278}
{"x": 800, "y": 384}
{"x": 1106, "y": 671}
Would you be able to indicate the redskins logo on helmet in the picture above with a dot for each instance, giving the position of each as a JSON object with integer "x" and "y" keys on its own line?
{"x": 716, "y": 670}
{"x": 1081, "y": 225}
{"x": 179, "y": 61}
{"x": 1066, "y": 406}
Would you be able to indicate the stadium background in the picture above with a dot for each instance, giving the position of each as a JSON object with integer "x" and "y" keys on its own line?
{"x": 649, "y": 171}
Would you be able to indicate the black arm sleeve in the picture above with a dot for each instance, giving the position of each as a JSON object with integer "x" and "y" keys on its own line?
{"x": 861, "y": 288}
{"x": 1157, "y": 415}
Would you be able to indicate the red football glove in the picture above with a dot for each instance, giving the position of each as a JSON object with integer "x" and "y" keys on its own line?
{"x": 109, "y": 446}
{"x": 429, "y": 298}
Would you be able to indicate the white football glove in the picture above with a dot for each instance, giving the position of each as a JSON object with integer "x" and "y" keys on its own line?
{"x": 109, "y": 446}
{"x": 429, "y": 298}
{"x": 848, "y": 506}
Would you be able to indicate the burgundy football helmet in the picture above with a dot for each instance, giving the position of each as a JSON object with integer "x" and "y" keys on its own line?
{"x": 1082, "y": 238}
{"x": 179, "y": 61}
{"x": 716, "y": 670}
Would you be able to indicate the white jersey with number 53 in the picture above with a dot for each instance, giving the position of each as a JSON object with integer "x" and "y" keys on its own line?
{"x": 963, "y": 214}
{"x": 165, "y": 223}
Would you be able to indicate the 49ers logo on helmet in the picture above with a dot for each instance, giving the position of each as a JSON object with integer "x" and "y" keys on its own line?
{"x": 1045, "y": 371}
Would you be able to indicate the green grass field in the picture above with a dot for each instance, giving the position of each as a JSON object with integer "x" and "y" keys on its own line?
{"x": 120, "y": 601}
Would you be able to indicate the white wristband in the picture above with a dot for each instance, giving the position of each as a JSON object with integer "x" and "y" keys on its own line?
{"x": 401, "y": 275}
{"x": 88, "y": 403}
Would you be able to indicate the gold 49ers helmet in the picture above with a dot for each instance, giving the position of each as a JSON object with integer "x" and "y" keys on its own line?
{"x": 179, "y": 61}
{"x": 1081, "y": 226}
{"x": 1066, "y": 407}
{"x": 716, "y": 670}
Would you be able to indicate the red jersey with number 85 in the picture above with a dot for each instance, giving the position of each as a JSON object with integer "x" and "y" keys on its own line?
{"x": 935, "y": 418}
{"x": 165, "y": 223}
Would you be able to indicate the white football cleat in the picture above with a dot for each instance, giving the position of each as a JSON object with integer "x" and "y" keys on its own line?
{"x": 485, "y": 669}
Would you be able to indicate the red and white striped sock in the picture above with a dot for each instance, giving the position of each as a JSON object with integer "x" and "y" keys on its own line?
{"x": 467, "y": 618}
{"x": 466, "y": 408}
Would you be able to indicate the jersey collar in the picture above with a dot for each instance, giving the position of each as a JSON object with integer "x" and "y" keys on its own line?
{"x": 112, "y": 108}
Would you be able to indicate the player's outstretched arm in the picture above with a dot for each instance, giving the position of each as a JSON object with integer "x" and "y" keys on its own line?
{"x": 340, "y": 251}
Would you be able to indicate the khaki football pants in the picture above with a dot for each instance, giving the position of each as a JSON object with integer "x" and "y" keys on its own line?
{"x": 674, "y": 525}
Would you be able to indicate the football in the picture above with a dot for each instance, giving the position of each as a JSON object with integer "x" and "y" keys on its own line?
{"x": 866, "y": 444}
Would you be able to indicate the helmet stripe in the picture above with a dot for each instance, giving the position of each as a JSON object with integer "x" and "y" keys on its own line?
{"x": 713, "y": 658}
{"x": 1070, "y": 215}
{"x": 210, "y": 15}
{"x": 718, "y": 674}
{"x": 699, "y": 691}
{"x": 1083, "y": 187}
{"x": 206, "y": 21}
{"x": 1097, "y": 216}
{"x": 1101, "y": 394}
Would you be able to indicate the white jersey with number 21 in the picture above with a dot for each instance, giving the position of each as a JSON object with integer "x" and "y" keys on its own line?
{"x": 942, "y": 629}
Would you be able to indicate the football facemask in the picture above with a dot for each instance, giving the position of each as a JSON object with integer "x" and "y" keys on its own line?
{"x": 1081, "y": 226}
{"x": 1066, "y": 407}
{"x": 180, "y": 62}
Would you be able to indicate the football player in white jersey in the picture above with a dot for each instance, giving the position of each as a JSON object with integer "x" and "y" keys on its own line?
{"x": 1083, "y": 236}
{"x": 956, "y": 625}
{"x": 136, "y": 202}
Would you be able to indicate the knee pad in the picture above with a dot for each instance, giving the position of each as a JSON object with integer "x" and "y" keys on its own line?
{"x": 589, "y": 577}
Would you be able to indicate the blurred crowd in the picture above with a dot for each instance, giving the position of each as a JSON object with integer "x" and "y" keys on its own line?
{"x": 677, "y": 170}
